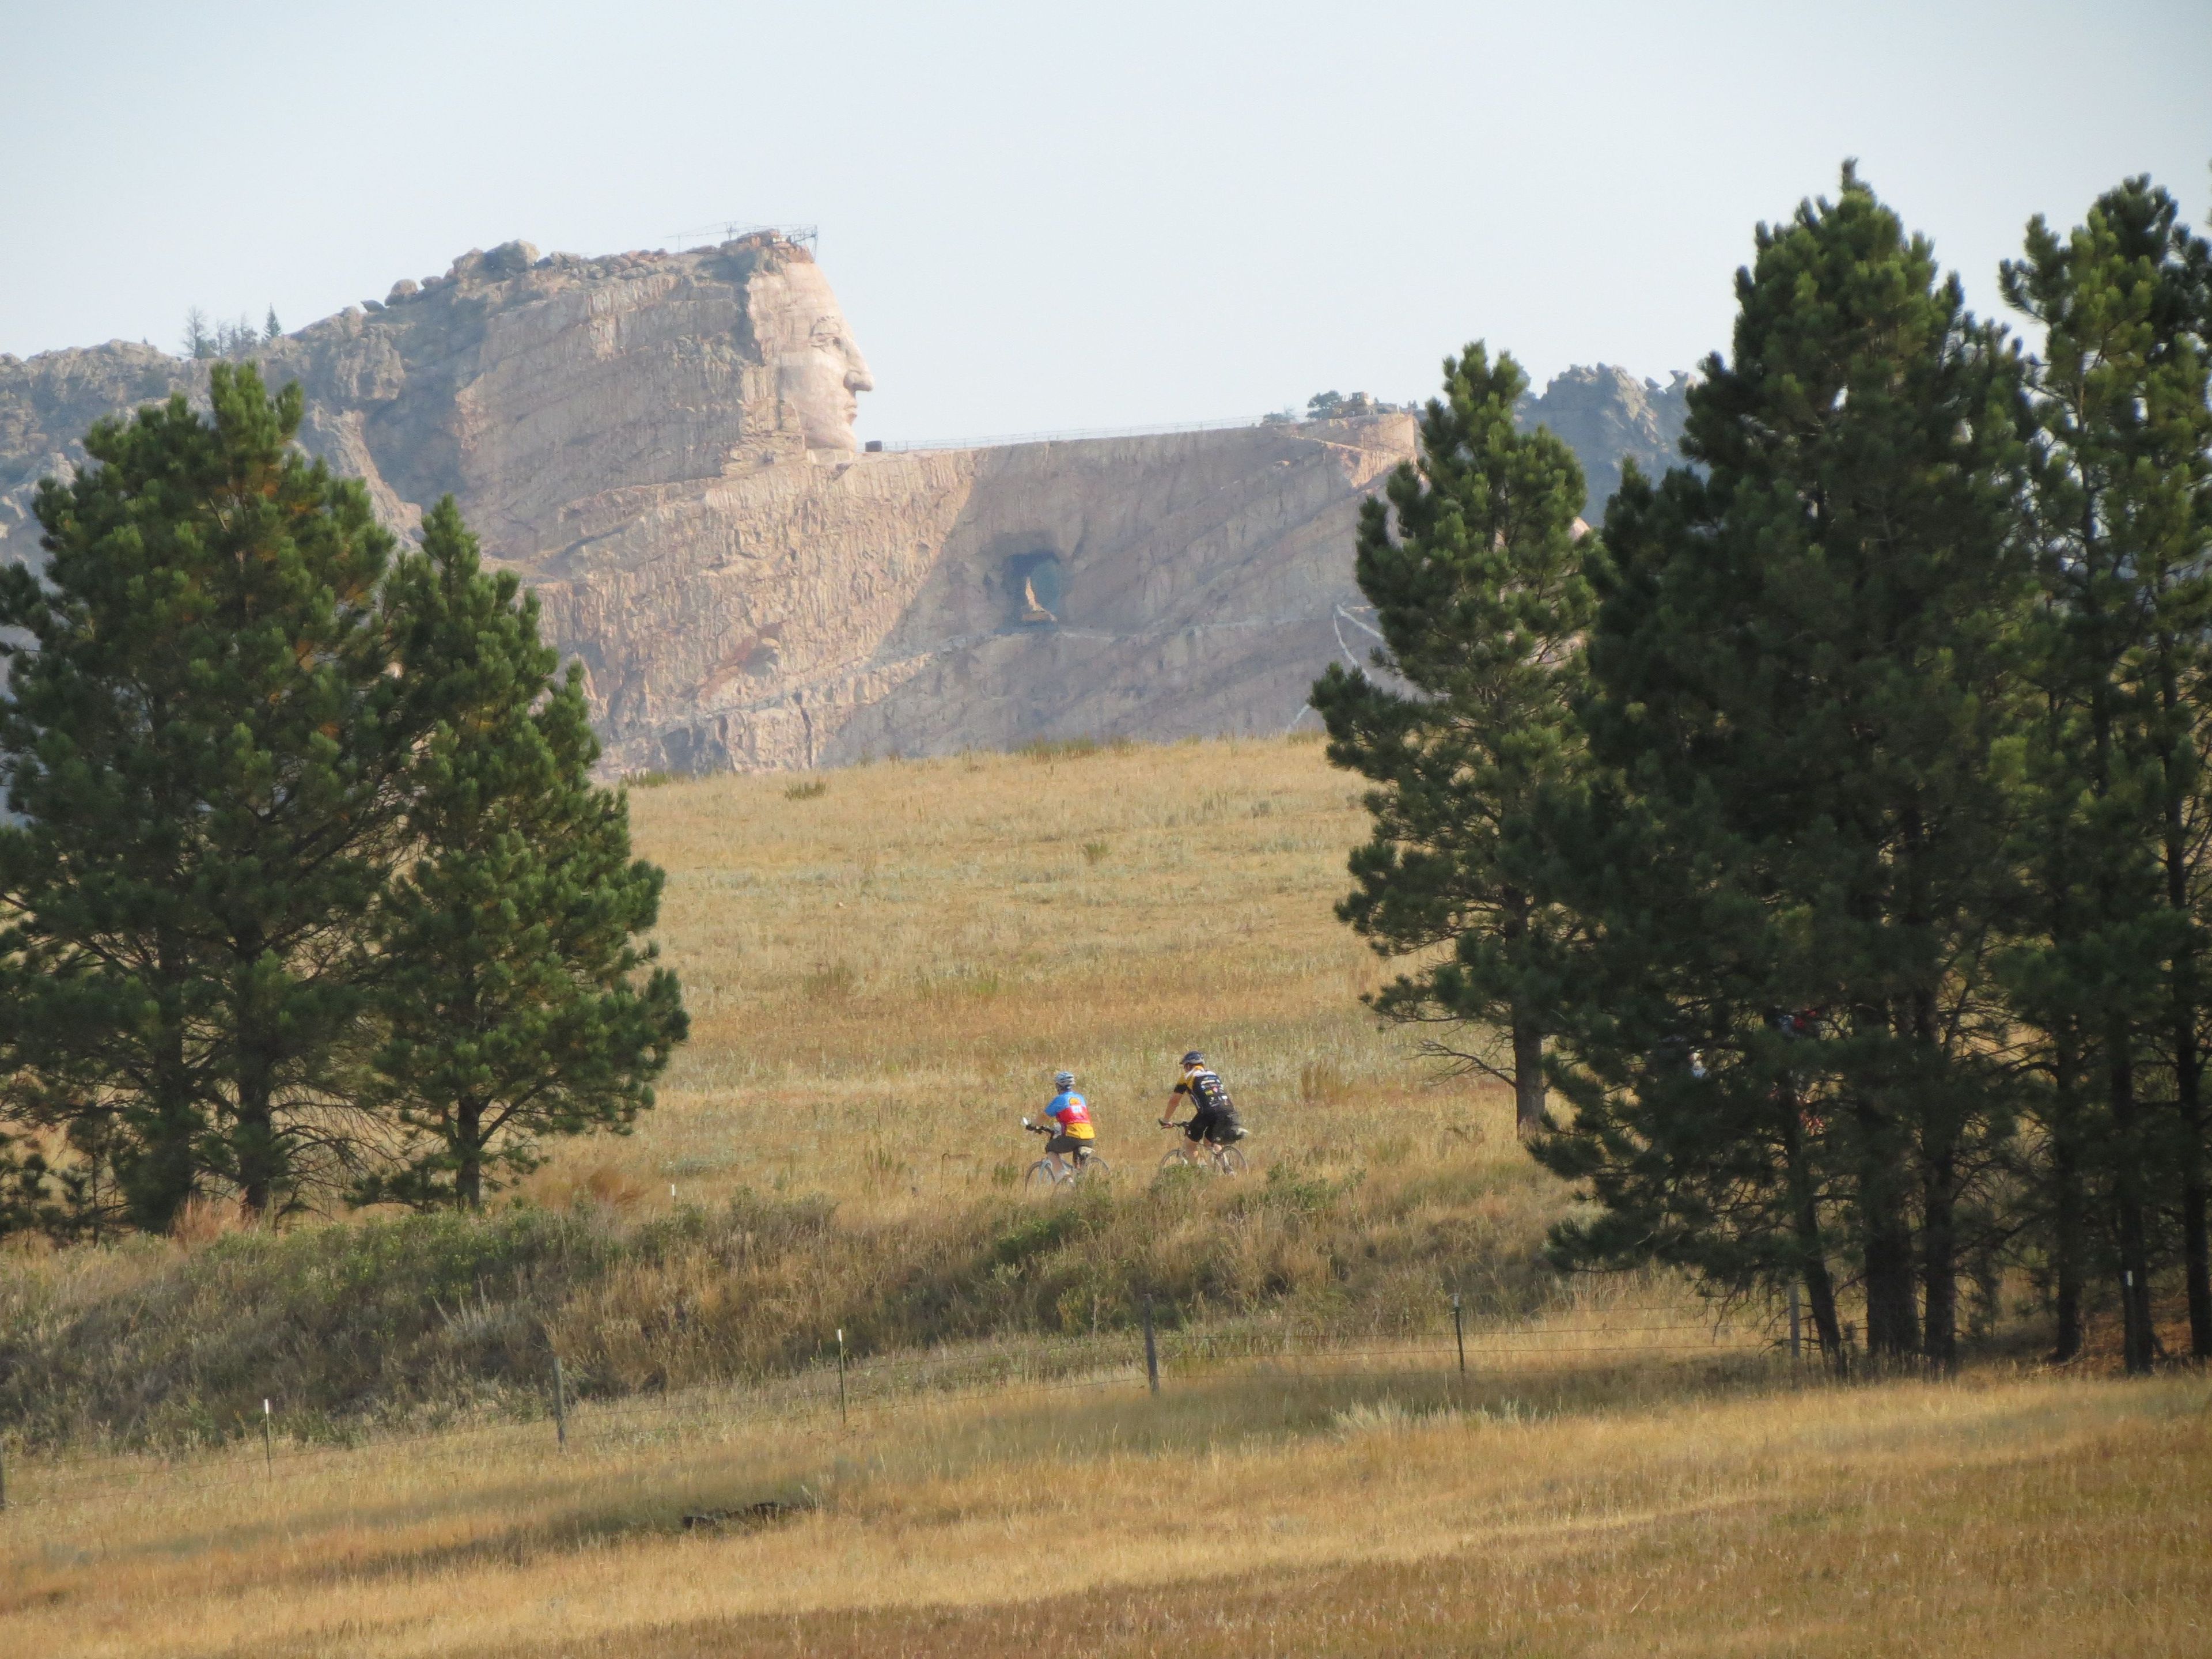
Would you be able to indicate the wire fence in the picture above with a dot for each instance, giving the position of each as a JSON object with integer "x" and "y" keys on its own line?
{"x": 834, "y": 1396}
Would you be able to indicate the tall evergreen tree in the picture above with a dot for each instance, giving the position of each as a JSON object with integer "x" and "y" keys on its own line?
{"x": 206, "y": 750}
{"x": 1803, "y": 671}
{"x": 511, "y": 1002}
{"x": 2122, "y": 511}
{"x": 2056, "y": 846}
{"x": 1480, "y": 600}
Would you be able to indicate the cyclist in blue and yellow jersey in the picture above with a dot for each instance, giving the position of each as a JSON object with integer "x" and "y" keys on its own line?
{"x": 1072, "y": 1131}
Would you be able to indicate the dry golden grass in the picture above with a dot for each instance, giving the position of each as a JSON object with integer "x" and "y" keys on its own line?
{"x": 1645, "y": 1510}
{"x": 883, "y": 977}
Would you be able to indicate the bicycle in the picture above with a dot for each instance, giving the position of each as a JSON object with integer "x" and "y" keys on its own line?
{"x": 1221, "y": 1157}
{"x": 1047, "y": 1174}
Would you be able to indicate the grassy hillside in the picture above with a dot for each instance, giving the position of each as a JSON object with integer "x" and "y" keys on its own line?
{"x": 886, "y": 965}
{"x": 883, "y": 975}
{"x": 421, "y": 1321}
{"x": 886, "y": 972}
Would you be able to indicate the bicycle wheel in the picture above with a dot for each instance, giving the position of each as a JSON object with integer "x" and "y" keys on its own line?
{"x": 1175, "y": 1160}
{"x": 1093, "y": 1168}
{"x": 1229, "y": 1160}
{"x": 1042, "y": 1178}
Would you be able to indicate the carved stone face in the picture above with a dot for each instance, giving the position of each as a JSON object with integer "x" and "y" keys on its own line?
{"x": 819, "y": 371}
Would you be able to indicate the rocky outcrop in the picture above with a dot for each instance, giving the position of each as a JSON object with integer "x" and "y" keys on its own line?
{"x": 1607, "y": 416}
{"x": 524, "y": 385}
{"x": 662, "y": 446}
{"x": 47, "y": 403}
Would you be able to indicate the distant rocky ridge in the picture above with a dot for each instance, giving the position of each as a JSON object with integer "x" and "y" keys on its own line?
{"x": 661, "y": 445}
{"x": 1607, "y": 416}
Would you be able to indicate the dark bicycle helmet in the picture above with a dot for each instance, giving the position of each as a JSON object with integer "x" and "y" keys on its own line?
{"x": 1193, "y": 1057}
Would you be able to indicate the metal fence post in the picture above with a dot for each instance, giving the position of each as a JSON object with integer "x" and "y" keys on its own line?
{"x": 559, "y": 1405}
{"x": 841, "y": 1376}
{"x": 1152, "y": 1350}
{"x": 1796, "y": 1350}
{"x": 1459, "y": 1334}
{"x": 268, "y": 1443}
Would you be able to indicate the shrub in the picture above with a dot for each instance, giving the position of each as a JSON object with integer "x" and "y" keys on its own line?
{"x": 423, "y": 1319}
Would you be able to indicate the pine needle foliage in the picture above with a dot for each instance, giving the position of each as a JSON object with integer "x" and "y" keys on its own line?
{"x": 310, "y": 892}
{"x": 206, "y": 753}
{"x": 1804, "y": 677}
{"x": 1479, "y": 593}
{"x": 2111, "y": 977}
{"x": 510, "y": 1000}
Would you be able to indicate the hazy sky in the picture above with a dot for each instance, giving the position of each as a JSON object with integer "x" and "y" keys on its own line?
{"x": 1053, "y": 214}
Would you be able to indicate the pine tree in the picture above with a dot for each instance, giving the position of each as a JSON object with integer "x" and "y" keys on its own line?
{"x": 239, "y": 339}
{"x": 1702, "y": 1088}
{"x": 206, "y": 750}
{"x": 512, "y": 1003}
{"x": 2055, "y": 847}
{"x": 2122, "y": 499}
{"x": 271, "y": 331}
{"x": 1479, "y": 598}
{"x": 1802, "y": 675}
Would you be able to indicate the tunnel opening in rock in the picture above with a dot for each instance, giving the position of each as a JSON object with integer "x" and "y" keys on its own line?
{"x": 1035, "y": 584}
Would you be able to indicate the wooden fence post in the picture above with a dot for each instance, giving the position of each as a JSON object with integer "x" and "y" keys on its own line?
{"x": 559, "y": 1405}
{"x": 841, "y": 1376}
{"x": 1459, "y": 1334}
{"x": 1152, "y": 1351}
{"x": 1796, "y": 1350}
{"x": 268, "y": 1443}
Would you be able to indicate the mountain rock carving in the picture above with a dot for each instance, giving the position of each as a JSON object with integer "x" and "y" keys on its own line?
{"x": 662, "y": 446}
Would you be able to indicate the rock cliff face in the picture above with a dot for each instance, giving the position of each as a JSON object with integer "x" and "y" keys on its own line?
{"x": 661, "y": 445}
{"x": 1155, "y": 586}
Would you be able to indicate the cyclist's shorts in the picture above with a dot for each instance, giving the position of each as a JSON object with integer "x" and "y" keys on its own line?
{"x": 1217, "y": 1126}
{"x": 1068, "y": 1146}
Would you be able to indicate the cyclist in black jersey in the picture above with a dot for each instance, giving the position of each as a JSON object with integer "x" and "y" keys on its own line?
{"x": 1213, "y": 1114}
